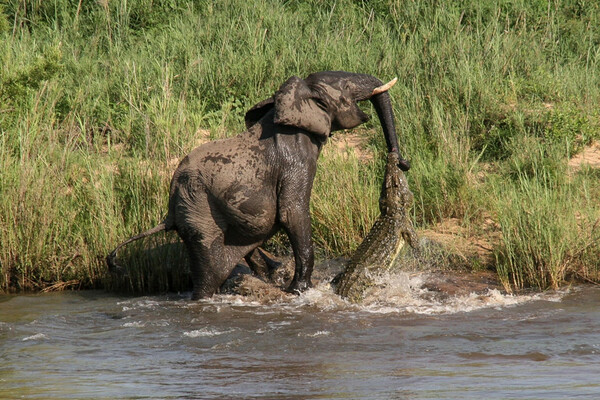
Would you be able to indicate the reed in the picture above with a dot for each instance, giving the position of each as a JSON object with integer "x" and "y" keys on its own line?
{"x": 344, "y": 203}
{"x": 549, "y": 225}
{"x": 98, "y": 100}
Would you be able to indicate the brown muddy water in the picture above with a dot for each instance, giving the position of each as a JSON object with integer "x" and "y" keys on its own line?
{"x": 403, "y": 344}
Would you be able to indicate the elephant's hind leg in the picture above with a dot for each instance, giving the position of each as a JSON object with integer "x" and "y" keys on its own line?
{"x": 208, "y": 265}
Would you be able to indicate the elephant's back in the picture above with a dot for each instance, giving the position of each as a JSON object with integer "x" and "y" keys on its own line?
{"x": 237, "y": 175}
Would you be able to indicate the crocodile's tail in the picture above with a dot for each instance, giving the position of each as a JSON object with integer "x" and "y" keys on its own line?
{"x": 111, "y": 258}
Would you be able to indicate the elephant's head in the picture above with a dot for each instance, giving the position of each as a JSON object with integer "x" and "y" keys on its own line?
{"x": 327, "y": 101}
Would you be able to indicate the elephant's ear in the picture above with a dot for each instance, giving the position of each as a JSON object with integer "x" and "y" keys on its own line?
{"x": 296, "y": 105}
{"x": 258, "y": 111}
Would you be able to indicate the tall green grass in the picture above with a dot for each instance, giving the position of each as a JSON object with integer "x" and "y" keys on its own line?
{"x": 549, "y": 223}
{"x": 345, "y": 194}
{"x": 97, "y": 100}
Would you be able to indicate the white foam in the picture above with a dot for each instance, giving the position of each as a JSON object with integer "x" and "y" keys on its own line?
{"x": 321, "y": 296}
{"x": 454, "y": 304}
{"x": 230, "y": 299}
{"x": 315, "y": 334}
{"x": 37, "y": 336}
{"x": 399, "y": 292}
{"x": 205, "y": 332}
{"x": 134, "y": 324}
{"x": 402, "y": 292}
{"x": 129, "y": 305}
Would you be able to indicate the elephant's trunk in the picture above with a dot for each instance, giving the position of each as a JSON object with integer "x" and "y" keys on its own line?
{"x": 381, "y": 101}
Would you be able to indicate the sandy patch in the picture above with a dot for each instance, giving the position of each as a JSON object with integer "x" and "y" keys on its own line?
{"x": 589, "y": 156}
{"x": 470, "y": 248}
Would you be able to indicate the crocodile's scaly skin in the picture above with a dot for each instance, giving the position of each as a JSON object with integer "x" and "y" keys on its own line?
{"x": 392, "y": 230}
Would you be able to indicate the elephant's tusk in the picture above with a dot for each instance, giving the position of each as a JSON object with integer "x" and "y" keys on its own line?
{"x": 384, "y": 88}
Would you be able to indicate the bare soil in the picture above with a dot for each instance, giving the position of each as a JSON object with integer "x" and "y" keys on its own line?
{"x": 589, "y": 156}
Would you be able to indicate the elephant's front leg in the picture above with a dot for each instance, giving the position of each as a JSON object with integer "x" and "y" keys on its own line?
{"x": 296, "y": 223}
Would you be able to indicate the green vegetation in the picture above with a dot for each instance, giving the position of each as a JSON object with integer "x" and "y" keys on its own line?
{"x": 98, "y": 99}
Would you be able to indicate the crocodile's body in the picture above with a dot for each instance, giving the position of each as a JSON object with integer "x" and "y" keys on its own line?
{"x": 384, "y": 242}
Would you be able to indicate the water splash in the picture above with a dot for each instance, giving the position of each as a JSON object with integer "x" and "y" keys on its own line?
{"x": 206, "y": 332}
{"x": 404, "y": 292}
{"x": 134, "y": 324}
{"x": 37, "y": 336}
{"x": 393, "y": 293}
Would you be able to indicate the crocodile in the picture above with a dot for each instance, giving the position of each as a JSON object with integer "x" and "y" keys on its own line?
{"x": 386, "y": 239}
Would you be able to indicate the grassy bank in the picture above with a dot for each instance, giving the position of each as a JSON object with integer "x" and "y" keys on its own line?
{"x": 98, "y": 99}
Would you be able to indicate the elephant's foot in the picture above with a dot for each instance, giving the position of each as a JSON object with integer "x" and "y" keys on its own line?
{"x": 196, "y": 295}
{"x": 263, "y": 264}
{"x": 297, "y": 287}
{"x": 203, "y": 293}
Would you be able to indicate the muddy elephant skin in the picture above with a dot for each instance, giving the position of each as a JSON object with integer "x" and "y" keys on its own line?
{"x": 229, "y": 196}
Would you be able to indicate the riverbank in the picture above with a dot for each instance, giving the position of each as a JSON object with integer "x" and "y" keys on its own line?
{"x": 98, "y": 102}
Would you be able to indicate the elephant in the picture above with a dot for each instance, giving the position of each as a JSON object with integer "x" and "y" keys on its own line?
{"x": 227, "y": 197}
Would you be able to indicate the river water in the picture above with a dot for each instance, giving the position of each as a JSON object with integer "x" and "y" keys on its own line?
{"x": 405, "y": 344}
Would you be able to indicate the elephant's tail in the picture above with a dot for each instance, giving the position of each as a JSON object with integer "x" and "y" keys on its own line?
{"x": 112, "y": 257}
